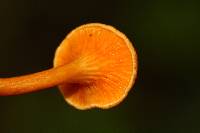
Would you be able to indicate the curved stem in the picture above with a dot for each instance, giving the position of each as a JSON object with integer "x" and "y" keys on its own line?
{"x": 38, "y": 81}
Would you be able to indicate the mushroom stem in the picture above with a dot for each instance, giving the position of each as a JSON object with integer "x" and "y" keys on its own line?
{"x": 38, "y": 81}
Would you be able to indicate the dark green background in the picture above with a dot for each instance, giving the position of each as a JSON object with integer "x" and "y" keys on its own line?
{"x": 166, "y": 35}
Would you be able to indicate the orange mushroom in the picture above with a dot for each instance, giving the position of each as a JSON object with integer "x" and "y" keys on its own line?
{"x": 94, "y": 66}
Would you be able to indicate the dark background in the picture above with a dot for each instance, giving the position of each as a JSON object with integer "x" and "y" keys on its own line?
{"x": 166, "y": 35}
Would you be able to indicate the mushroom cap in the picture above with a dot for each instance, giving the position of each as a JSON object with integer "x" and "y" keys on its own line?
{"x": 108, "y": 62}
